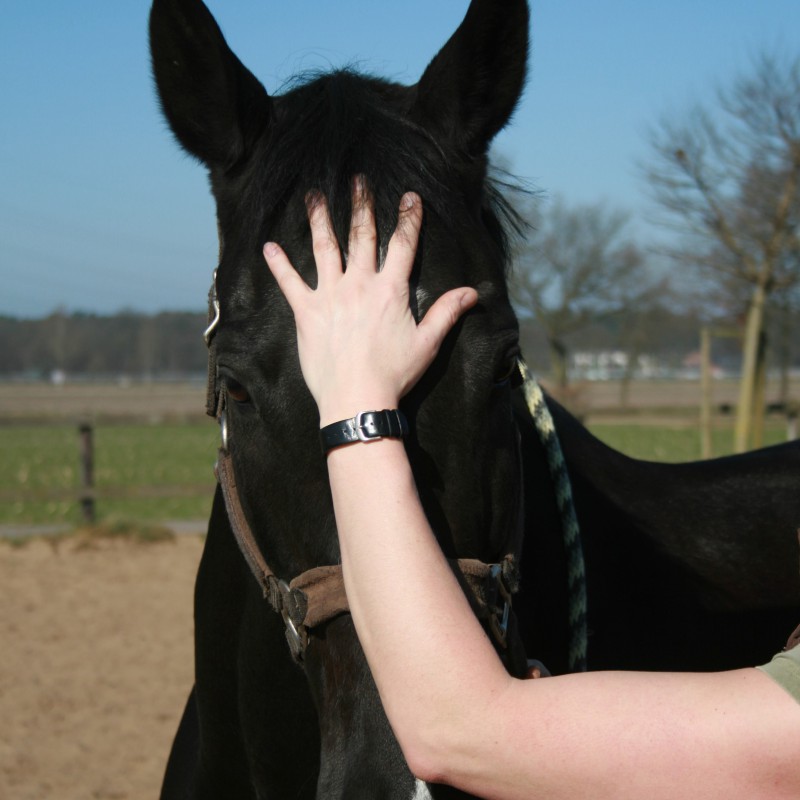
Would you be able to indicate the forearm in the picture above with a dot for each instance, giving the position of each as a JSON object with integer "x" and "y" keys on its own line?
{"x": 460, "y": 718}
{"x": 433, "y": 665}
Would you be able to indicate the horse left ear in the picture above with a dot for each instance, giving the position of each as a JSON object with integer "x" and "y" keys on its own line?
{"x": 470, "y": 90}
{"x": 215, "y": 106}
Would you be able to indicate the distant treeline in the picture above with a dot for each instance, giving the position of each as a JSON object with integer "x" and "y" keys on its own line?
{"x": 171, "y": 343}
{"x": 664, "y": 334}
{"x": 87, "y": 344}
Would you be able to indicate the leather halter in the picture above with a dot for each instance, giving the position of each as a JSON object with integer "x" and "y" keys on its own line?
{"x": 317, "y": 595}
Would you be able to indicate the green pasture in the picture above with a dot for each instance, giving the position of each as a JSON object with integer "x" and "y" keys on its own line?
{"x": 674, "y": 443}
{"x": 164, "y": 472}
{"x": 141, "y": 472}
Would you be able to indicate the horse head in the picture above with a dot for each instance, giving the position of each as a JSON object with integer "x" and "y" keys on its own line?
{"x": 264, "y": 154}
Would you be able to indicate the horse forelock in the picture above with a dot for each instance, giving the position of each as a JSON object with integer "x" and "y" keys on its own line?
{"x": 328, "y": 128}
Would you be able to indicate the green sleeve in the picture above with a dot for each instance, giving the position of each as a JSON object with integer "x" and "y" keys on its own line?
{"x": 784, "y": 669}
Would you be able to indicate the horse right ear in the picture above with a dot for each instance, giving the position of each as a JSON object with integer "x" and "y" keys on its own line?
{"x": 215, "y": 106}
{"x": 470, "y": 90}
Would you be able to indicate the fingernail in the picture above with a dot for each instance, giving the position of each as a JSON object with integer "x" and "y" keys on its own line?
{"x": 271, "y": 249}
{"x": 407, "y": 201}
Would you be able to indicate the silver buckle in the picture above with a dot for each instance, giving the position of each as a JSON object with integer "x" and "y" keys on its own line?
{"x": 359, "y": 425}
{"x": 298, "y": 639}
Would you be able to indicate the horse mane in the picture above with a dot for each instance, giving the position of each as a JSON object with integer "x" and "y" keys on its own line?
{"x": 328, "y": 127}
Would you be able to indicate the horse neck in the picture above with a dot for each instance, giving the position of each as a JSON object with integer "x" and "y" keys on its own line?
{"x": 729, "y": 522}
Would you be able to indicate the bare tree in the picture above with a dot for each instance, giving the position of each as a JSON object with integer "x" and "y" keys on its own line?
{"x": 576, "y": 266}
{"x": 731, "y": 183}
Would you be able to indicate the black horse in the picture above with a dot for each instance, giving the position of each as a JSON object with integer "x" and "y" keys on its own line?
{"x": 257, "y": 725}
{"x": 668, "y": 549}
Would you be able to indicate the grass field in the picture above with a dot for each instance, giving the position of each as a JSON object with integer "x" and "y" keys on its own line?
{"x": 673, "y": 443}
{"x": 142, "y": 472}
{"x": 155, "y": 472}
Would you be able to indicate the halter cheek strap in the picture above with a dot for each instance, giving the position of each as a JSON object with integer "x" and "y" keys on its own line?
{"x": 317, "y": 595}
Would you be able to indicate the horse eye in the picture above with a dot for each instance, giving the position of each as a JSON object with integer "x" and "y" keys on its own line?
{"x": 236, "y": 391}
{"x": 509, "y": 374}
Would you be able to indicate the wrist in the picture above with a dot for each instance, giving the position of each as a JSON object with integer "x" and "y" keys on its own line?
{"x": 365, "y": 427}
{"x": 335, "y": 409}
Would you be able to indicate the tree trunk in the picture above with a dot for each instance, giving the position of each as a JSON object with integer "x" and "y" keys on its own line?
{"x": 785, "y": 355}
{"x": 706, "y": 442}
{"x": 760, "y": 397}
{"x": 747, "y": 387}
{"x": 634, "y": 351}
{"x": 558, "y": 362}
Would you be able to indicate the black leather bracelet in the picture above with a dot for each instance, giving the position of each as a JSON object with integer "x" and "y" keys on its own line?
{"x": 366, "y": 426}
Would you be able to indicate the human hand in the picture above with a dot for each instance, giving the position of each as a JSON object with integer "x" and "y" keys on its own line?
{"x": 360, "y": 346}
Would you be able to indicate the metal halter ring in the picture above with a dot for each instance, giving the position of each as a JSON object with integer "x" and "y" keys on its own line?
{"x": 209, "y": 331}
{"x": 223, "y": 429}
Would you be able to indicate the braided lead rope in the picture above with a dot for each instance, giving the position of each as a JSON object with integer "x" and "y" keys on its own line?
{"x": 576, "y": 569}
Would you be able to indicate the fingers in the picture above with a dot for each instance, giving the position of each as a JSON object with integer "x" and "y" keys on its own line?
{"x": 294, "y": 288}
{"x": 362, "y": 248}
{"x": 403, "y": 244}
{"x": 363, "y": 240}
{"x": 363, "y": 244}
{"x": 326, "y": 248}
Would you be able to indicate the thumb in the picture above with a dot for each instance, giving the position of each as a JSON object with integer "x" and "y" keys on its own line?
{"x": 444, "y": 314}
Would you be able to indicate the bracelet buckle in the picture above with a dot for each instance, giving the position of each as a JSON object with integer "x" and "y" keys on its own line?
{"x": 361, "y": 428}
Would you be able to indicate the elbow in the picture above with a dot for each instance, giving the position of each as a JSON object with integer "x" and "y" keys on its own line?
{"x": 437, "y": 738}
{"x": 430, "y": 750}
{"x": 426, "y": 764}
{"x": 436, "y": 733}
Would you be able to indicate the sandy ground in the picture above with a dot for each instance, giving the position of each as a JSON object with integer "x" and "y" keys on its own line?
{"x": 95, "y": 665}
{"x": 154, "y": 402}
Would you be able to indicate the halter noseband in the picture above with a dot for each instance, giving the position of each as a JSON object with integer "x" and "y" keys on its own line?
{"x": 317, "y": 595}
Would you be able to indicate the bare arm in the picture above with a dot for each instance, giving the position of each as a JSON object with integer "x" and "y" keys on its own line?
{"x": 460, "y": 719}
{"x": 458, "y": 716}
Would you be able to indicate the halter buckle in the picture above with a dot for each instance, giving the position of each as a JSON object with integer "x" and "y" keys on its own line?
{"x": 296, "y": 637}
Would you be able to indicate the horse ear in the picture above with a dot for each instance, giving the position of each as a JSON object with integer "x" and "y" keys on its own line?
{"x": 214, "y": 105}
{"x": 470, "y": 90}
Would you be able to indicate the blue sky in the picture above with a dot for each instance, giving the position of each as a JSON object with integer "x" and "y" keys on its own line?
{"x": 99, "y": 210}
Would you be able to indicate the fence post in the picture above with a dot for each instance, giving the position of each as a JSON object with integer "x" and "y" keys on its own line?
{"x": 86, "y": 434}
{"x": 706, "y": 389}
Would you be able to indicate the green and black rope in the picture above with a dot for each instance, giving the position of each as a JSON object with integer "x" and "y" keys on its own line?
{"x": 576, "y": 569}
